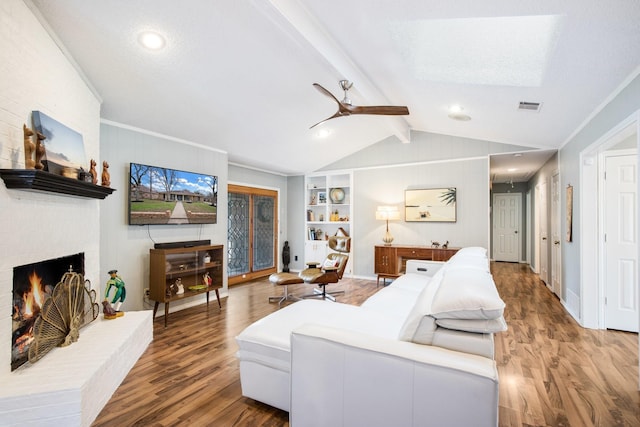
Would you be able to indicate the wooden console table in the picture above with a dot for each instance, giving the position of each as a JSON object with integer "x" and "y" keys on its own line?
{"x": 390, "y": 261}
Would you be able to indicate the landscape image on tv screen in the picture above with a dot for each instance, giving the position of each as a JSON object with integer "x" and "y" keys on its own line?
{"x": 168, "y": 196}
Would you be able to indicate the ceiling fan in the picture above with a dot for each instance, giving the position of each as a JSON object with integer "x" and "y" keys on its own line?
{"x": 345, "y": 108}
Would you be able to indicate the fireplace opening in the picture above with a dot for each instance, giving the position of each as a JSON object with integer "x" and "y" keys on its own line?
{"x": 32, "y": 285}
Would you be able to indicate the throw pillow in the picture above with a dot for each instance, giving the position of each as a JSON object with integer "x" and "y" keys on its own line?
{"x": 467, "y": 294}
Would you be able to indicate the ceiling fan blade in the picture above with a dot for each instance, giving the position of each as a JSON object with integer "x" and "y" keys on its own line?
{"x": 384, "y": 110}
{"x": 326, "y": 92}
{"x": 337, "y": 114}
{"x": 346, "y": 109}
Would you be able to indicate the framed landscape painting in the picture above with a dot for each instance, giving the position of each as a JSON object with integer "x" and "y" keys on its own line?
{"x": 430, "y": 205}
{"x": 64, "y": 147}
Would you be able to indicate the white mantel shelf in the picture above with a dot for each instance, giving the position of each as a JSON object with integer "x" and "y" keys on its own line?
{"x": 70, "y": 385}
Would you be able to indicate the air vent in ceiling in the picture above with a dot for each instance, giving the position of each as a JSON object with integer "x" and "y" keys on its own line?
{"x": 529, "y": 106}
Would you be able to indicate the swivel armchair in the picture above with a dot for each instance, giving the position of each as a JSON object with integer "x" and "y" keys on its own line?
{"x": 330, "y": 271}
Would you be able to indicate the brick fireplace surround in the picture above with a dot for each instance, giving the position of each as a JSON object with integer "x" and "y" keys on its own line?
{"x": 71, "y": 385}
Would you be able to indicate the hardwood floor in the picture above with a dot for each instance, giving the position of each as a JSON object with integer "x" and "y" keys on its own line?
{"x": 552, "y": 371}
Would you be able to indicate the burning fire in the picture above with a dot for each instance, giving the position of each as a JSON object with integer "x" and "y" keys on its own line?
{"x": 33, "y": 298}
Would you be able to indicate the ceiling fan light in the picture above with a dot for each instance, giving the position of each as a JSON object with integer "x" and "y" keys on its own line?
{"x": 323, "y": 133}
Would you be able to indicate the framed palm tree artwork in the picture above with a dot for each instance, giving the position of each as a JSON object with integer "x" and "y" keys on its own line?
{"x": 430, "y": 205}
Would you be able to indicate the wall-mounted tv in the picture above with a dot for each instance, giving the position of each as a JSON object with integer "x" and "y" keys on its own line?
{"x": 168, "y": 196}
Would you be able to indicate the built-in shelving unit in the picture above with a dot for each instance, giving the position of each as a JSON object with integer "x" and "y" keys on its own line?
{"x": 38, "y": 180}
{"x": 328, "y": 209}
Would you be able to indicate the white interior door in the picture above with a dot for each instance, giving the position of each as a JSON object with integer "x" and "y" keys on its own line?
{"x": 621, "y": 247}
{"x": 543, "y": 232}
{"x": 556, "y": 245}
{"x": 506, "y": 227}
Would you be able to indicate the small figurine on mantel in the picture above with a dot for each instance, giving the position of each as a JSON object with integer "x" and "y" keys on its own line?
{"x": 435, "y": 244}
{"x": 29, "y": 148}
{"x": 106, "y": 178}
{"x": 116, "y": 283}
{"x": 445, "y": 245}
{"x": 93, "y": 172}
{"x": 40, "y": 150}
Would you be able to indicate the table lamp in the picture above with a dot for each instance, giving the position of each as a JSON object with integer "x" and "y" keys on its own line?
{"x": 387, "y": 213}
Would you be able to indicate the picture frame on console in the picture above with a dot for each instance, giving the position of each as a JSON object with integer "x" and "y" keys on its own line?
{"x": 431, "y": 205}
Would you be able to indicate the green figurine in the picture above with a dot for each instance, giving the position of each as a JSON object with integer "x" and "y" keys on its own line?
{"x": 120, "y": 292}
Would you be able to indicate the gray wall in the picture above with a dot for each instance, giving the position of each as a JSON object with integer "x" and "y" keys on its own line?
{"x": 619, "y": 108}
{"x": 382, "y": 173}
{"x": 125, "y": 247}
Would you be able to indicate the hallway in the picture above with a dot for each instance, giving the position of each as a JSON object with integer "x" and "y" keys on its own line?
{"x": 554, "y": 372}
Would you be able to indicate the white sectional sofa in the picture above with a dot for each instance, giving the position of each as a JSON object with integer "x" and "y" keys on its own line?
{"x": 418, "y": 352}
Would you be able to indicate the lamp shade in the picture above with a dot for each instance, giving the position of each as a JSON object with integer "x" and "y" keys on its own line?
{"x": 389, "y": 213}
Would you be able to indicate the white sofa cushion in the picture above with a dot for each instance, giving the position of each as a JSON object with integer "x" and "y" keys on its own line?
{"x": 467, "y": 294}
{"x": 421, "y": 308}
{"x": 267, "y": 340}
{"x": 472, "y": 250}
{"x": 469, "y": 261}
{"x": 425, "y": 331}
{"x": 391, "y": 301}
{"x": 479, "y": 326}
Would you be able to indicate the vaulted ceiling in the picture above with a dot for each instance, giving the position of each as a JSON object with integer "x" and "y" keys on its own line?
{"x": 237, "y": 75}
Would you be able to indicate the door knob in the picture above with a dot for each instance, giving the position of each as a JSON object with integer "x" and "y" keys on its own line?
{"x": 557, "y": 242}
{"x": 516, "y": 231}
{"x": 544, "y": 238}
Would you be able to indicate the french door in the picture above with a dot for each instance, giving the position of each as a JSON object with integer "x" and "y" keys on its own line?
{"x": 252, "y": 234}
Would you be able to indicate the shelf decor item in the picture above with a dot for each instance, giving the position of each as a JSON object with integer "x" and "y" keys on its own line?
{"x": 337, "y": 195}
{"x": 29, "y": 148}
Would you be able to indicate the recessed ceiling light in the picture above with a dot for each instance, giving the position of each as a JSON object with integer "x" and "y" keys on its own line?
{"x": 455, "y": 113}
{"x": 151, "y": 40}
{"x": 512, "y": 169}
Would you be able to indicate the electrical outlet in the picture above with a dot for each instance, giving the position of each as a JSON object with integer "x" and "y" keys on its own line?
{"x": 146, "y": 292}
{"x": 295, "y": 258}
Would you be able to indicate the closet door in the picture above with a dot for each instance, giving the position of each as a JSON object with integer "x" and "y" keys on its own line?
{"x": 252, "y": 234}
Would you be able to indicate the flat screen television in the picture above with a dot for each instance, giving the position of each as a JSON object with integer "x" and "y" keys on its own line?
{"x": 168, "y": 196}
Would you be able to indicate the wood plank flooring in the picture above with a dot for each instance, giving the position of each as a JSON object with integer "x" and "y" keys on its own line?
{"x": 552, "y": 371}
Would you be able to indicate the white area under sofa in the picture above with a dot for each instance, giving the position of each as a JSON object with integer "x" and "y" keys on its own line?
{"x": 332, "y": 364}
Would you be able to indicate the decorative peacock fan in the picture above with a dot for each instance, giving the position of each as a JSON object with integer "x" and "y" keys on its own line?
{"x": 71, "y": 306}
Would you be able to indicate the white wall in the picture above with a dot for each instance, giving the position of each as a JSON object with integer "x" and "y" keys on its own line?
{"x": 35, "y": 75}
{"x": 125, "y": 247}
